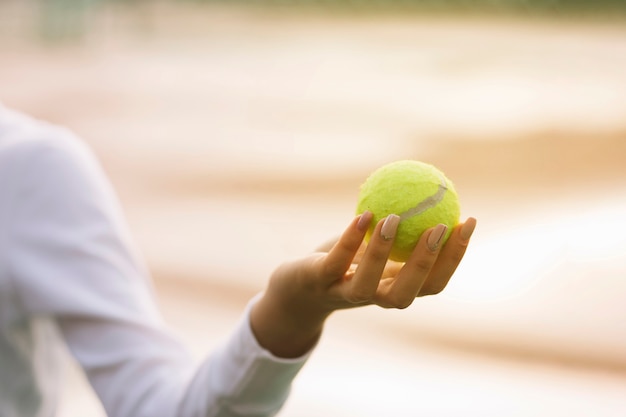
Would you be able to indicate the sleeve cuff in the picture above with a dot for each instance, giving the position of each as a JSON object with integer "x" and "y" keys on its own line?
{"x": 242, "y": 378}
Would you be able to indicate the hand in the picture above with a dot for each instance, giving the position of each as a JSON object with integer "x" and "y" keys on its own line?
{"x": 289, "y": 317}
{"x": 355, "y": 274}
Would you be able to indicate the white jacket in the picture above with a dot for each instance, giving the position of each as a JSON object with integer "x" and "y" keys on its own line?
{"x": 68, "y": 275}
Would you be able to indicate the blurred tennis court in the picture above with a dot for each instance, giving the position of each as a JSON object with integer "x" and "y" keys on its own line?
{"x": 237, "y": 138}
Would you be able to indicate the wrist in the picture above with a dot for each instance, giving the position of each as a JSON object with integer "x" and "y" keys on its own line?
{"x": 289, "y": 317}
{"x": 285, "y": 328}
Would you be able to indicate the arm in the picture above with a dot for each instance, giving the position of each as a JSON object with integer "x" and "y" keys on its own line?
{"x": 72, "y": 261}
{"x": 289, "y": 318}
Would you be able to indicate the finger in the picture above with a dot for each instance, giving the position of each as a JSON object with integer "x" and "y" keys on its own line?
{"x": 340, "y": 257}
{"x": 370, "y": 269}
{"x": 449, "y": 258}
{"x": 360, "y": 252}
{"x": 401, "y": 292}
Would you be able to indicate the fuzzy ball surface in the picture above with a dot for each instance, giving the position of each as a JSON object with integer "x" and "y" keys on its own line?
{"x": 416, "y": 191}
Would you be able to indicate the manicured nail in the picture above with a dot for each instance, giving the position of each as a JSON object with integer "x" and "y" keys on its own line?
{"x": 436, "y": 236}
{"x": 390, "y": 227}
{"x": 364, "y": 221}
{"x": 468, "y": 228}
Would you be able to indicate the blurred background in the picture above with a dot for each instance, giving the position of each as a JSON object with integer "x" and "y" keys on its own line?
{"x": 237, "y": 135}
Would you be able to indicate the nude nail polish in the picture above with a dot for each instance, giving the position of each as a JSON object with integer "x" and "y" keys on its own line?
{"x": 364, "y": 220}
{"x": 434, "y": 240}
{"x": 390, "y": 227}
{"x": 468, "y": 228}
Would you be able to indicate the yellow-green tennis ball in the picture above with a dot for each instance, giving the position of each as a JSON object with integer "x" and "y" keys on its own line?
{"x": 417, "y": 192}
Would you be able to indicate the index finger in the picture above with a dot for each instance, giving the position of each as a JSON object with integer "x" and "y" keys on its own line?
{"x": 342, "y": 254}
{"x": 372, "y": 265}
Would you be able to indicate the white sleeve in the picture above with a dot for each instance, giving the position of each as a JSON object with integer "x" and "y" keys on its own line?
{"x": 72, "y": 261}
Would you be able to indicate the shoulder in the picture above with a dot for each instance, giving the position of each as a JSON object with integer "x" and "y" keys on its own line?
{"x": 30, "y": 143}
{"x": 50, "y": 179}
{"x": 36, "y": 155}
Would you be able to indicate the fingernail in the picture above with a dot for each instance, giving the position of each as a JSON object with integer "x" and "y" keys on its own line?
{"x": 390, "y": 227}
{"x": 468, "y": 228}
{"x": 364, "y": 221}
{"x": 436, "y": 236}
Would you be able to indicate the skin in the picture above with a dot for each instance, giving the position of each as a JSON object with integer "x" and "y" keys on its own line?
{"x": 289, "y": 317}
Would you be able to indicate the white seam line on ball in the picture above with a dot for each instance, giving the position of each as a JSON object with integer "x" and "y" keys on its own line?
{"x": 428, "y": 202}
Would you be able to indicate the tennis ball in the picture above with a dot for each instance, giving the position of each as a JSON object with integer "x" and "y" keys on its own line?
{"x": 417, "y": 192}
